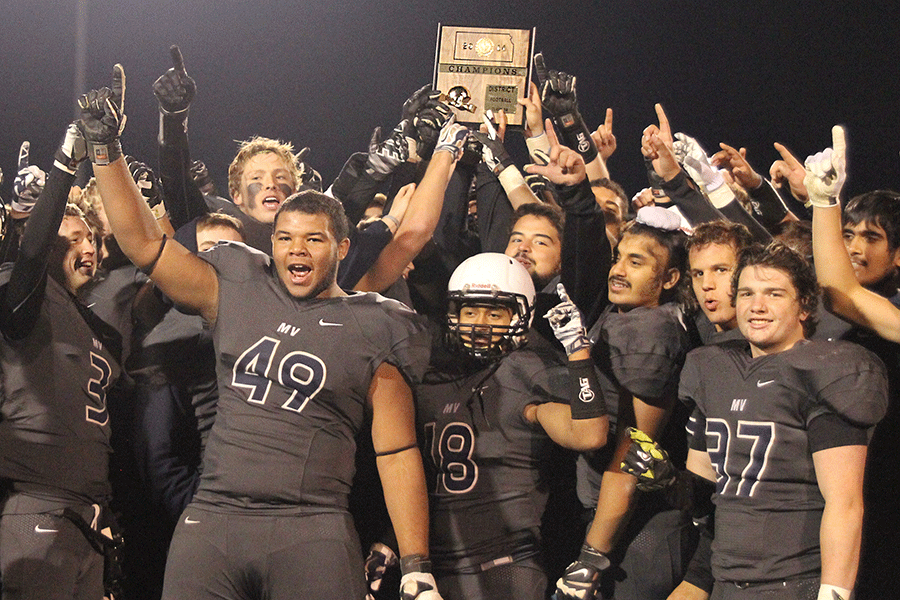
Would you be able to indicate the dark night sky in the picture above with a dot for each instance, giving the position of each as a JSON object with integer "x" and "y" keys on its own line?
{"x": 324, "y": 74}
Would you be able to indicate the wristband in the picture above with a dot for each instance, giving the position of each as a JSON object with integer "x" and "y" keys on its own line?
{"x": 833, "y": 592}
{"x": 593, "y": 557}
{"x": 510, "y": 178}
{"x": 540, "y": 143}
{"x": 415, "y": 563}
{"x": 149, "y": 268}
{"x": 391, "y": 218}
{"x": 589, "y": 402}
{"x": 576, "y": 135}
{"x": 104, "y": 154}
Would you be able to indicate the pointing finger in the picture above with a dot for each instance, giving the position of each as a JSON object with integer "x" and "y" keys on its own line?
{"x": 177, "y": 58}
{"x": 23, "y": 155}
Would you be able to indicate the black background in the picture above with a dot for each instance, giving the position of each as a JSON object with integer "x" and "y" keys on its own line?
{"x": 323, "y": 74}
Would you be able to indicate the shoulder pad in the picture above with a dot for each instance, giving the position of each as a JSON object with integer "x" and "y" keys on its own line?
{"x": 846, "y": 377}
{"x": 236, "y": 261}
{"x": 647, "y": 347}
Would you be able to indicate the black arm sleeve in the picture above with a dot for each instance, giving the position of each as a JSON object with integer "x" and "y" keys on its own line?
{"x": 495, "y": 213}
{"x": 354, "y": 188}
{"x": 20, "y": 301}
{"x": 365, "y": 247}
{"x": 586, "y": 255}
{"x": 767, "y": 206}
{"x": 183, "y": 199}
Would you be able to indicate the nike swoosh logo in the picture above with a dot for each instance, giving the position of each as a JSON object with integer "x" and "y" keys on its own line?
{"x": 190, "y": 521}
{"x": 760, "y": 384}
{"x": 325, "y": 323}
{"x": 39, "y": 529}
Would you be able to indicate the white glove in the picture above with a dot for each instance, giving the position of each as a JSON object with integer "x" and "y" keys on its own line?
{"x": 29, "y": 181}
{"x": 418, "y": 586}
{"x": 565, "y": 319}
{"x": 826, "y": 171}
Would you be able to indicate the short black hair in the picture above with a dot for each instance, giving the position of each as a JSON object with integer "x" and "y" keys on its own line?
{"x": 675, "y": 243}
{"x": 552, "y": 213}
{"x": 311, "y": 202}
{"x": 881, "y": 207}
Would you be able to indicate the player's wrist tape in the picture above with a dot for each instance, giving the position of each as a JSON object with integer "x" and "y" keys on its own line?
{"x": 588, "y": 403}
{"x": 576, "y": 136}
{"x": 414, "y": 563}
{"x": 25, "y": 207}
{"x": 104, "y": 154}
{"x": 820, "y": 200}
{"x": 510, "y": 178}
{"x": 391, "y": 218}
{"x": 540, "y": 143}
{"x": 832, "y": 592}
{"x": 593, "y": 557}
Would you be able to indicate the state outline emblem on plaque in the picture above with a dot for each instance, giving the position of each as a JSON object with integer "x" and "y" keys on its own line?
{"x": 483, "y": 68}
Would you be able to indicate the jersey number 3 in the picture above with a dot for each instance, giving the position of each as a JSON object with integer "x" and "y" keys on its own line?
{"x": 301, "y": 372}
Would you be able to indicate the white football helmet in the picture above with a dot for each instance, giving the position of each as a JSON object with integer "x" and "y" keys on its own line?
{"x": 490, "y": 279}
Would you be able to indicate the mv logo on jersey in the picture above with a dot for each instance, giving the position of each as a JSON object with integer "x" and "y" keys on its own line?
{"x": 737, "y": 405}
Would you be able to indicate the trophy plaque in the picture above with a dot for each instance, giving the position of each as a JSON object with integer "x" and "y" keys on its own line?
{"x": 482, "y": 68}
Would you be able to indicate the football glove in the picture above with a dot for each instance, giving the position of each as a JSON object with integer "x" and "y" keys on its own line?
{"x": 29, "y": 181}
{"x": 380, "y": 558}
{"x": 174, "y": 89}
{"x": 647, "y": 461}
{"x": 103, "y": 119}
{"x": 581, "y": 581}
{"x": 826, "y": 171}
{"x": 565, "y": 319}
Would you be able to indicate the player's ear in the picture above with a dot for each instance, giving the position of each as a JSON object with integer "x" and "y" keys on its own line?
{"x": 343, "y": 248}
{"x": 671, "y": 278}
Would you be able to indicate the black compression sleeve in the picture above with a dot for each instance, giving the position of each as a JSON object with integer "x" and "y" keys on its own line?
{"x": 21, "y": 299}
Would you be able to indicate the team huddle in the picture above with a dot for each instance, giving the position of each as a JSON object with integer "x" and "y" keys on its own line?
{"x": 443, "y": 376}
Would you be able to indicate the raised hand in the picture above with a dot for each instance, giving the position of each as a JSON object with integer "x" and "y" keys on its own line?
{"x": 603, "y": 137}
{"x": 657, "y": 147}
{"x": 565, "y": 319}
{"x": 564, "y": 165}
{"x": 103, "y": 119}
{"x": 735, "y": 161}
{"x": 387, "y": 155}
{"x": 826, "y": 171}
{"x": 174, "y": 89}
{"x": 29, "y": 181}
{"x": 452, "y": 138}
{"x": 557, "y": 91}
{"x": 789, "y": 170}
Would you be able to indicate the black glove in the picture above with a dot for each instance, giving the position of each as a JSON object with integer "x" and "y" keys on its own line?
{"x": 29, "y": 181}
{"x": 428, "y": 124}
{"x": 647, "y": 461}
{"x": 421, "y": 98}
{"x": 146, "y": 182}
{"x": 558, "y": 98}
{"x": 538, "y": 184}
{"x": 174, "y": 90}
{"x": 103, "y": 119}
{"x": 200, "y": 175}
{"x": 387, "y": 155}
{"x": 493, "y": 152}
{"x": 582, "y": 577}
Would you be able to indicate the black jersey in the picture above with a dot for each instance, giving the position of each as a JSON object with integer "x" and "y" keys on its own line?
{"x": 294, "y": 376}
{"x": 753, "y": 417}
{"x": 54, "y": 432}
{"x": 638, "y": 353}
{"x": 485, "y": 462}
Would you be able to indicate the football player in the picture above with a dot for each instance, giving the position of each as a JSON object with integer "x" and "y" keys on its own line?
{"x": 639, "y": 344}
{"x": 301, "y": 364}
{"x": 782, "y": 425}
{"x": 58, "y": 362}
{"x": 489, "y": 410}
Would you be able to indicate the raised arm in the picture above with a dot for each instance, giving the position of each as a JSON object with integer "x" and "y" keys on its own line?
{"x": 188, "y": 280}
{"x": 845, "y": 296}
